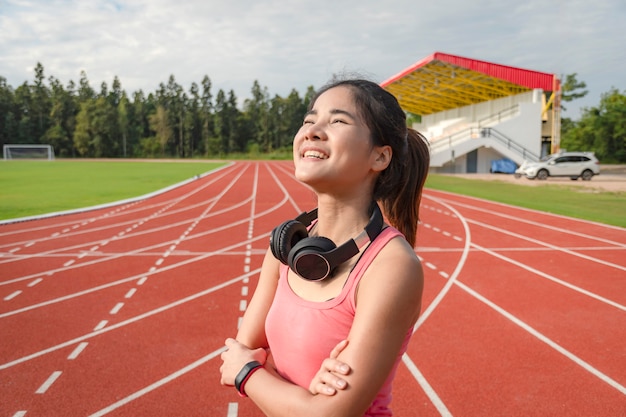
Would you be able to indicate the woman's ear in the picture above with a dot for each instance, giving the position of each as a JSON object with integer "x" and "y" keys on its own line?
{"x": 382, "y": 157}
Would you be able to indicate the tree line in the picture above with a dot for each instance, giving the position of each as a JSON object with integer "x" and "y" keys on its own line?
{"x": 79, "y": 121}
{"x": 601, "y": 129}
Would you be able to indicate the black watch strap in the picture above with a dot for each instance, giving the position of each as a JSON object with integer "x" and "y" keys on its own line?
{"x": 244, "y": 374}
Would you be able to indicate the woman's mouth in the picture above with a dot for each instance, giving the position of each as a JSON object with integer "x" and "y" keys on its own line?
{"x": 314, "y": 155}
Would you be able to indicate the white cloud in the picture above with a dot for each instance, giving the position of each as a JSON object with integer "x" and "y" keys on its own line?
{"x": 293, "y": 44}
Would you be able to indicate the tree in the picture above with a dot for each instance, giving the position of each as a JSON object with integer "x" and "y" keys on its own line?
{"x": 600, "y": 129}
{"x": 8, "y": 123}
{"x": 160, "y": 124}
{"x": 572, "y": 89}
{"x": 83, "y": 131}
{"x": 25, "y": 132}
{"x": 257, "y": 110}
{"x": 194, "y": 122}
{"x": 85, "y": 92}
{"x": 40, "y": 105}
{"x": 207, "y": 117}
{"x": 62, "y": 119}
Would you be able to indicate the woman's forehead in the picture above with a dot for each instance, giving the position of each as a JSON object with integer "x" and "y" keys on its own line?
{"x": 338, "y": 98}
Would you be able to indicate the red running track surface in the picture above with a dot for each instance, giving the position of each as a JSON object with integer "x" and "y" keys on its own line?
{"x": 123, "y": 310}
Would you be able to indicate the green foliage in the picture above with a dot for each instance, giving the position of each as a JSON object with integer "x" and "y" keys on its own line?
{"x": 600, "y": 129}
{"x": 79, "y": 121}
{"x": 572, "y": 89}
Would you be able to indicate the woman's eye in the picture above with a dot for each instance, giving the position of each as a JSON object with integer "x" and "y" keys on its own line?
{"x": 307, "y": 122}
{"x": 339, "y": 121}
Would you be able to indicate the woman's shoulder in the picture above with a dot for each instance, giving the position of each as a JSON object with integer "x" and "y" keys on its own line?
{"x": 396, "y": 260}
{"x": 394, "y": 281}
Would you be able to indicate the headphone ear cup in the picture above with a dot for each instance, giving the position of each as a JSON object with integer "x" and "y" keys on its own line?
{"x": 285, "y": 237}
{"x": 306, "y": 259}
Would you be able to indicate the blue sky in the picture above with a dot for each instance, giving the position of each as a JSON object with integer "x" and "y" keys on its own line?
{"x": 287, "y": 44}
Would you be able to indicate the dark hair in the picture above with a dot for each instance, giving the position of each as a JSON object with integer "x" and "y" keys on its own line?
{"x": 399, "y": 187}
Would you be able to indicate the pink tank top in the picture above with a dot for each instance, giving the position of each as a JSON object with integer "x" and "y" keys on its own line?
{"x": 302, "y": 333}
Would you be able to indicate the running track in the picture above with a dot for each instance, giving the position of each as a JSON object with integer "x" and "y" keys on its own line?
{"x": 123, "y": 310}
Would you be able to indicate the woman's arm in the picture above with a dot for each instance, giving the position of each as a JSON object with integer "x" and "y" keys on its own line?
{"x": 388, "y": 304}
{"x": 251, "y": 332}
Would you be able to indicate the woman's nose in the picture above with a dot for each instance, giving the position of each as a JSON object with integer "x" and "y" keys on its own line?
{"x": 314, "y": 131}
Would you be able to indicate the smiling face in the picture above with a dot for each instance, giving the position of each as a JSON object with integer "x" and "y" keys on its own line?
{"x": 333, "y": 150}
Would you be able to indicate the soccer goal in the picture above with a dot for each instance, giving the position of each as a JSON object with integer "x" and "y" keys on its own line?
{"x": 28, "y": 152}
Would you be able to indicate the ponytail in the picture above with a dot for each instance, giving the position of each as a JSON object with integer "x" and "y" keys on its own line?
{"x": 399, "y": 189}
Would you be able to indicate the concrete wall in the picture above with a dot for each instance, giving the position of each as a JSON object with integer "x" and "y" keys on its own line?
{"x": 520, "y": 121}
{"x": 442, "y": 123}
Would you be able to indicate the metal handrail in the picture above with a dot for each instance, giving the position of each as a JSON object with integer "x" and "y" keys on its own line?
{"x": 476, "y": 132}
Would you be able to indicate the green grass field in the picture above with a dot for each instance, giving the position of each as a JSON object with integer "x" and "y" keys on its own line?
{"x": 29, "y": 188}
{"x": 602, "y": 207}
{"x": 36, "y": 187}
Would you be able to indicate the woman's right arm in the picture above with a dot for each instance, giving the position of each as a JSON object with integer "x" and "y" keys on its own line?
{"x": 251, "y": 333}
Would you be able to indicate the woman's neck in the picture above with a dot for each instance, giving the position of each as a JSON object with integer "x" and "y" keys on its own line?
{"x": 342, "y": 219}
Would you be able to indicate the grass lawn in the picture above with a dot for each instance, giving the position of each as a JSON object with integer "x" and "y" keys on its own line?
{"x": 29, "y": 188}
{"x": 602, "y": 207}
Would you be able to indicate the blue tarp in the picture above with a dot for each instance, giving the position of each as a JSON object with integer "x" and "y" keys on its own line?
{"x": 504, "y": 166}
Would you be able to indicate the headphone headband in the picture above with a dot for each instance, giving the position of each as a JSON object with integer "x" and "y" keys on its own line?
{"x": 316, "y": 258}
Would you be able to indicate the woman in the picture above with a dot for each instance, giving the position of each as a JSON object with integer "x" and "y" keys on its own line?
{"x": 341, "y": 335}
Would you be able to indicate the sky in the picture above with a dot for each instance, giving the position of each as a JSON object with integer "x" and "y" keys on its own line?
{"x": 294, "y": 44}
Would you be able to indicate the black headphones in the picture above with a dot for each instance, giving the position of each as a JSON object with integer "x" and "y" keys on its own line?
{"x": 315, "y": 258}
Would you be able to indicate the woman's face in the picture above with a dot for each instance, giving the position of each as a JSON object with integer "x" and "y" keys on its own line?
{"x": 333, "y": 148}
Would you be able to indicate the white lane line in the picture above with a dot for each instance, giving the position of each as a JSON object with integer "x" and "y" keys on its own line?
{"x": 147, "y": 248}
{"x": 12, "y": 295}
{"x": 466, "y": 248}
{"x": 35, "y": 282}
{"x": 117, "y": 308}
{"x": 127, "y": 322}
{"x": 548, "y": 245}
{"x": 233, "y": 410}
{"x": 158, "y": 383}
{"x": 552, "y": 278}
{"x": 544, "y": 225}
{"x": 421, "y": 380}
{"x": 77, "y": 351}
{"x": 19, "y": 414}
{"x": 130, "y": 293}
{"x": 100, "y": 325}
{"x": 204, "y": 255}
{"x": 243, "y": 304}
{"x": 46, "y": 385}
{"x": 428, "y": 389}
{"x": 545, "y": 339}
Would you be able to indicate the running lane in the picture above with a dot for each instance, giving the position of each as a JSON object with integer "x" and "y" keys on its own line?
{"x": 123, "y": 311}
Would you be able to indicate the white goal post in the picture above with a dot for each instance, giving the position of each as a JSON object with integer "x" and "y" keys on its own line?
{"x": 28, "y": 152}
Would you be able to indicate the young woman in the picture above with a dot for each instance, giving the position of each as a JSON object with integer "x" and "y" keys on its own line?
{"x": 337, "y": 321}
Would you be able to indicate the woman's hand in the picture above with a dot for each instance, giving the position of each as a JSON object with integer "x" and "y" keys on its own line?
{"x": 328, "y": 379}
{"x": 235, "y": 357}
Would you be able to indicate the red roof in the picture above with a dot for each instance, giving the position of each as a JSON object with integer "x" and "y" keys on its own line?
{"x": 443, "y": 75}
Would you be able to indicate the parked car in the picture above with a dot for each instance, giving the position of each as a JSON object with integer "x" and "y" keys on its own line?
{"x": 564, "y": 164}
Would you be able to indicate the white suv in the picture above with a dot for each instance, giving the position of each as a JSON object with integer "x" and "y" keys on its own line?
{"x": 564, "y": 164}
